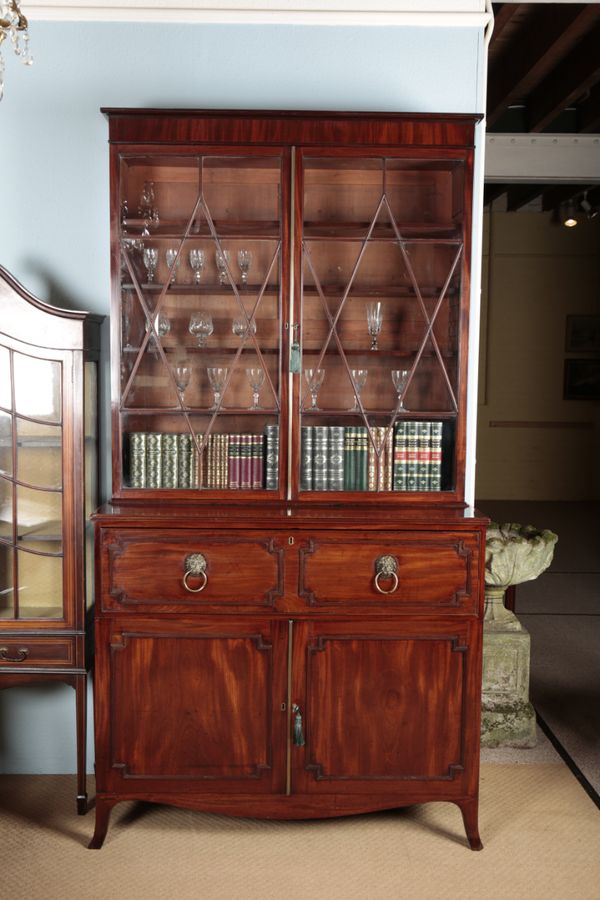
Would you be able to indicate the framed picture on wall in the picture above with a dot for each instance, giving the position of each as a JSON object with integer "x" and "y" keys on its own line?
{"x": 583, "y": 334}
{"x": 582, "y": 379}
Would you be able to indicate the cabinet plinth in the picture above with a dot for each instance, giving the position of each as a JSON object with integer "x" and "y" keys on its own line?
{"x": 289, "y": 599}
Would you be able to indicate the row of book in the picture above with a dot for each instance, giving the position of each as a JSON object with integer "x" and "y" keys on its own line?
{"x": 225, "y": 462}
{"x": 345, "y": 458}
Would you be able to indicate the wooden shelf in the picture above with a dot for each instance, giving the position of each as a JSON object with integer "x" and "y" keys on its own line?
{"x": 197, "y": 411}
{"x": 175, "y": 229}
{"x": 357, "y": 231}
{"x": 406, "y": 414}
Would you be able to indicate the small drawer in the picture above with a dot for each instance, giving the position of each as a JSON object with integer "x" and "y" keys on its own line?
{"x": 419, "y": 570}
{"x": 196, "y": 569}
{"x": 27, "y": 653}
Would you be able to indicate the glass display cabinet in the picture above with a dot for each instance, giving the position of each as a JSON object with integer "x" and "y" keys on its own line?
{"x": 48, "y": 489}
{"x": 288, "y": 534}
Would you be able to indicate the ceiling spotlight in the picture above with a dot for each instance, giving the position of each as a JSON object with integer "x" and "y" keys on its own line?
{"x": 590, "y": 211}
{"x": 568, "y": 214}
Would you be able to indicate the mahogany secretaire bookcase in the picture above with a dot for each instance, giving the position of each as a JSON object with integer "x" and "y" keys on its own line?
{"x": 289, "y": 586}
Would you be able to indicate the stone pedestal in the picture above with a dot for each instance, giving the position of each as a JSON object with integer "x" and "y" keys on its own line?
{"x": 507, "y": 716}
{"x": 513, "y": 554}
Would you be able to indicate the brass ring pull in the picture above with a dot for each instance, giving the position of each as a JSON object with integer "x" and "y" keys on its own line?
{"x": 386, "y": 567}
{"x": 22, "y": 651}
{"x": 195, "y": 566}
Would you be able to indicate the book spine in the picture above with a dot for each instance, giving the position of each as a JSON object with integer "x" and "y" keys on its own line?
{"x": 306, "y": 458}
{"x": 257, "y": 462}
{"x": 224, "y": 461}
{"x": 320, "y": 458}
{"x": 424, "y": 453}
{"x": 412, "y": 457}
{"x": 348, "y": 486}
{"x": 233, "y": 462}
{"x": 210, "y": 462}
{"x": 153, "y": 460}
{"x": 388, "y": 459}
{"x": 372, "y": 460}
{"x": 246, "y": 463}
{"x": 184, "y": 459}
{"x": 400, "y": 461}
{"x": 272, "y": 457}
{"x": 197, "y": 472}
{"x": 169, "y": 460}
{"x": 335, "y": 465}
{"x": 362, "y": 460}
{"x": 435, "y": 472}
{"x": 137, "y": 459}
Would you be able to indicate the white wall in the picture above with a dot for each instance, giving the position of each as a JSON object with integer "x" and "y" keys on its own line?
{"x": 54, "y": 159}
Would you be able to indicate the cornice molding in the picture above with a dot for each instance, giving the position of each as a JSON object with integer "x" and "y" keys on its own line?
{"x": 430, "y": 13}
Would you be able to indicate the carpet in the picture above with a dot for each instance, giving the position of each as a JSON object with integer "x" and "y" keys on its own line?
{"x": 540, "y": 830}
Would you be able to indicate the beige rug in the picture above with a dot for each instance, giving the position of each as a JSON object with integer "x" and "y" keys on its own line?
{"x": 541, "y": 836}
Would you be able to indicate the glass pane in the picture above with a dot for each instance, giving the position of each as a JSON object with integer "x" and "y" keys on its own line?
{"x": 91, "y": 472}
{"x": 40, "y": 586}
{"x": 380, "y": 313}
{"x": 6, "y": 459}
{"x": 39, "y": 453}
{"x": 6, "y": 583}
{"x": 5, "y": 383}
{"x": 37, "y": 387}
{"x": 242, "y": 191}
{"x": 39, "y": 519}
{"x": 6, "y": 509}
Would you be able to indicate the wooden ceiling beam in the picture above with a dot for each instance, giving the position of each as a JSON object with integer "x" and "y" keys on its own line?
{"x": 576, "y": 74}
{"x": 519, "y": 195}
{"x": 535, "y": 48}
{"x": 491, "y": 192}
{"x": 588, "y": 112}
{"x": 552, "y": 197}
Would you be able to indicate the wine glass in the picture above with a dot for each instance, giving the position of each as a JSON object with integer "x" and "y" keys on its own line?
{"x": 244, "y": 259}
{"x": 197, "y": 263}
{"x": 146, "y": 208}
{"x": 201, "y": 326}
{"x": 217, "y": 377}
{"x": 243, "y": 327}
{"x": 150, "y": 257}
{"x": 314, "y": 380}
{"x": 256, "y": 377}
{"x": 182, "y": 372}
{"x": 400, "y": 377}
{"x": 374, "y": 322}
{"x": 222, "y": 261}
{"x": 359, "y": 376}
{"x": 172, "y": 262}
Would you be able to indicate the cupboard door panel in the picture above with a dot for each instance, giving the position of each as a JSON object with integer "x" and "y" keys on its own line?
{"x": 193, "y": 703}
{"x": 383, "y": 705}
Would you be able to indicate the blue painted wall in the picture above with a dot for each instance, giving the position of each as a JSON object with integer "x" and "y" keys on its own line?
{"x": 54, "y": 164}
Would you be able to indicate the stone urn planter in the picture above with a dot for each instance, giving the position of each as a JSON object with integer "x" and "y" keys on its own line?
{"x": 513, "y": 554}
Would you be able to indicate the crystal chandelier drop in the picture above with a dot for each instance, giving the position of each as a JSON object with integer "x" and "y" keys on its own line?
{"x": 13, "y": 25}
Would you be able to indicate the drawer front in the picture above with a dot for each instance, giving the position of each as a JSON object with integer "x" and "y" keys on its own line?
{"x": 25, "y": 653}
{"x": 417, "y": 570}
{"x": 190, "y": 570}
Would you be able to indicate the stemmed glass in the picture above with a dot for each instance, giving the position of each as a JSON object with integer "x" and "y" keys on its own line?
{"x": 359, "y": 377}
{"x": 256, "y": 377}
{"x": 243, "y": 328}
{"x": 146, "y": 208}
{"x": 162, "y": 326}
{"x": 182, "y": 372}
{"x": 217, "y": 377}
{"x": 201, "y": 326}
{"x": 400, "y": 377}
{"x": 244, "y": 259}
{"x": 314, "y": 380}
{"x": 150, "y": 257}
{"x": 374, "y": 322}
{"x": 222, "y": 261}
{"x": 171, "y": 256}
{"x": 197, "y": 263}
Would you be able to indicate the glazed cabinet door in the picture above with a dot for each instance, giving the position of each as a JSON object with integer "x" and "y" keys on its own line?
{"x": 383, "y": 705}
{"x": 194, "y": 705}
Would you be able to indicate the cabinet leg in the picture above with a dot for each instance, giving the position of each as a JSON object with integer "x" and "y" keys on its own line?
{"x": 103, "y": 808}
{"x": 81, "y": 715}
{"x": 469, "y": 810}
